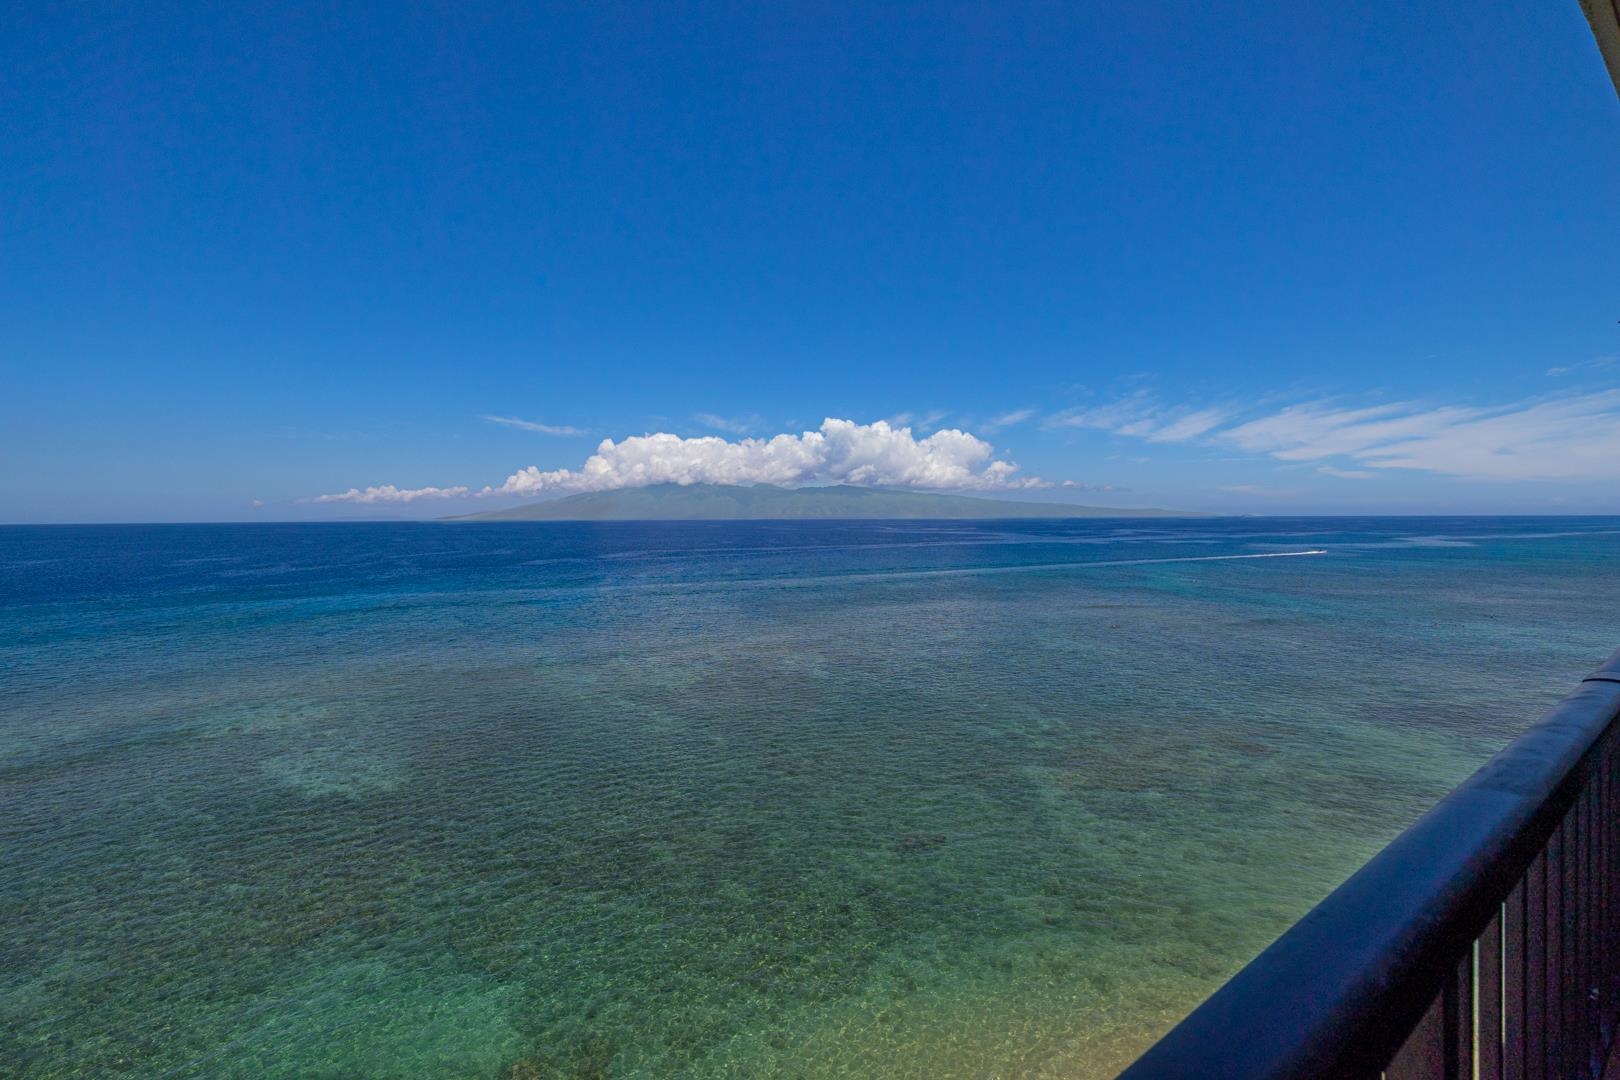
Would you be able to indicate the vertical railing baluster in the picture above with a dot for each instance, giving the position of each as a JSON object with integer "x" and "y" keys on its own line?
{"x": 1489, "y": 1001}
{"x": 1600, "y": 901}
{"x": 1552, "y": 973}
{"x": 1609, "y": 883}
{"x": 1535, "y": 969}
{"x": 1600, "y": 905}
{"x": 1424, "y": 1055}
{"x": 1514, "y": 966}
{"x": 1457, "y": 1003}
{"x": 1583, "y": 926}
{"x": 1572, "y": 1011}
{"x": 1611, "y": 902}
{"x": 1575, "y": 1002}
{"x": 1591, "y": 1056}
{"x": 1600, "y": 913}
{"x": 1590, "y": 922}
{"x": 1606, "y": 886}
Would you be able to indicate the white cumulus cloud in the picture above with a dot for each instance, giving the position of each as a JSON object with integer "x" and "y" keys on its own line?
{"x": 841, "y": 451}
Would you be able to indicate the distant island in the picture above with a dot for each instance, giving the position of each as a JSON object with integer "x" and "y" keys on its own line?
{"x": 723, "y": 502}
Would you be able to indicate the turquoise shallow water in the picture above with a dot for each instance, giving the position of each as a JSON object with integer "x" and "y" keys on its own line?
{"x": 744, "y": 799}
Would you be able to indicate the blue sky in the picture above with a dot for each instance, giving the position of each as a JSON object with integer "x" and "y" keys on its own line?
{"x": 1246, "y": 257}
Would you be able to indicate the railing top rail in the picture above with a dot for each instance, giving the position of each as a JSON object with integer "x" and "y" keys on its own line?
{"x": 1337, "y": 994}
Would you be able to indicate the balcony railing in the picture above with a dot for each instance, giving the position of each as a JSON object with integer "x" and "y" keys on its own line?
{"x": 1483, "y": 942}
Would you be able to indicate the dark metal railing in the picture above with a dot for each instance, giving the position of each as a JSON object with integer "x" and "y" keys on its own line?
{"x": 1484, "y": 941}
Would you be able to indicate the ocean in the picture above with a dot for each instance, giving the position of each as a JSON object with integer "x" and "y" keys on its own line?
{"x": 742, "y": 799}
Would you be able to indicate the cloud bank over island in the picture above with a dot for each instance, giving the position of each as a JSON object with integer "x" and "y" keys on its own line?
{"x": 841, "y": 451}
{"x": 878, "y": 454}
{"x": 388, "y": 493}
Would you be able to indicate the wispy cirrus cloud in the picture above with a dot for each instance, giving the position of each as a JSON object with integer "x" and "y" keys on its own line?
{"x": 840, "y": 451}
{"x": 1559, "y": 437}
{"x": 536, "y": 426}
{"x": 1008, "y": 419}
{"x": 1595, "y": 364}
{"x": 927, "y": 421}
{"x": 1142, "y": 416}
{"x": 1574, "y": 437}
{"x": 725, "y": 423}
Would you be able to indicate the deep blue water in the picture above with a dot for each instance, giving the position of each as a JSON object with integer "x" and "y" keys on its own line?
{"x": 778, "y": 799}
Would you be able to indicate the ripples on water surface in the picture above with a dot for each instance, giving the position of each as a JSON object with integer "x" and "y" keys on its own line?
{"x": 745, "y": 799}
